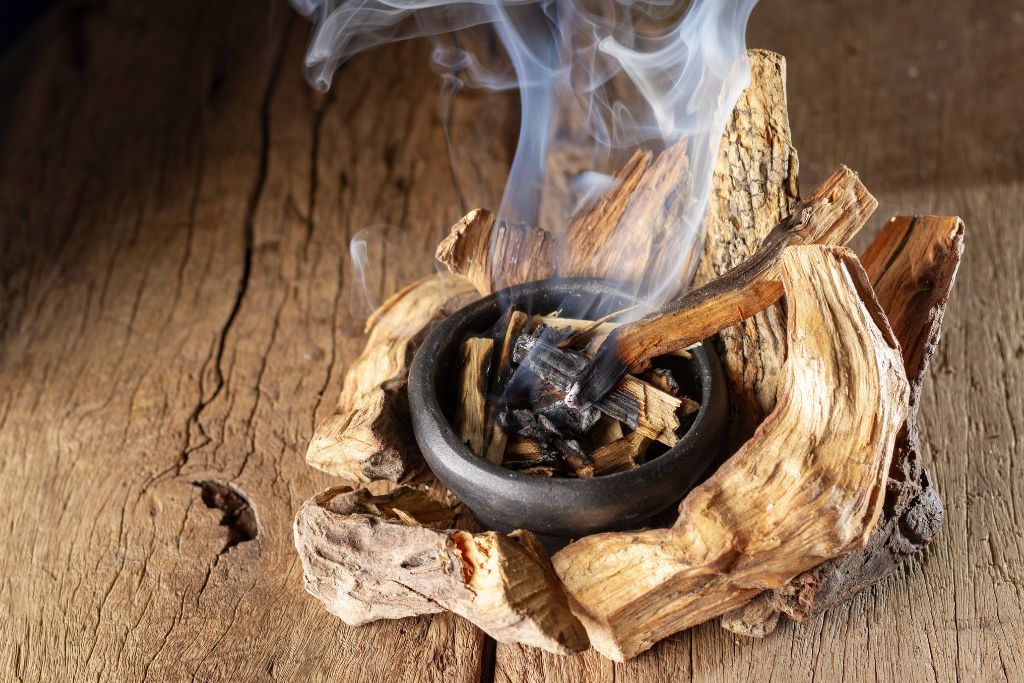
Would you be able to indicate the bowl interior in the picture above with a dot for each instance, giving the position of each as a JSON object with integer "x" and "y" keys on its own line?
{"x": 504, "y": 499}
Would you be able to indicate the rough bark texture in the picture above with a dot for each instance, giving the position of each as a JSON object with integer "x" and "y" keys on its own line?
{"x": 368, "y": 436}
{"x": 912, "y": 264}
{"x": 369, "y": 557}
{"x": 808, "y": 486}
{"x": 754, "y": 188}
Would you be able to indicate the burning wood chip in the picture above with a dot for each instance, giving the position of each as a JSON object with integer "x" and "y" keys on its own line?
{"x": 515, "y": 387}
{"x": 634, "y": 402}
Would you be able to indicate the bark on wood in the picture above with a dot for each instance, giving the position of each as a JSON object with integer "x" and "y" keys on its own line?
{"x": 494, "y": 448}
{"x": 753, "y": 189}
{"x": 369, "y": 557}
{"x": 912, "y": 264}
{"x": 494, "y": 257}
{"x": 368, "y": 436}
{"x": 756, "y": 619}
{"x": 807, "y": 487}
{"x": 831, "y": 214}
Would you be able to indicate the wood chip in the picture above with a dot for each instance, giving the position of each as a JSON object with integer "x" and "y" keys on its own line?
{"x": 471, "y": 410}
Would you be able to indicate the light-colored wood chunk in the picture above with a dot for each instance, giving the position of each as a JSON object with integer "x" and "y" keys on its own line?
{"x": 471, "y": 409}
{"x": 369, "y": 557}
{"x": 807, "y": 487}
{"x": 494, "y": 257}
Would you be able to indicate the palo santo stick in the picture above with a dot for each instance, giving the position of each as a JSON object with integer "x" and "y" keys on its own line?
{"x": 600, "y": 331}
{"x": 912, "y": 264}
{"x": 634, "y": 402}
{"x": 493, "y": 258}
{"x": 471, "y": 410}
{"x": 368, "y": 436}
{"x": 808, "y": 486}
{"x": 495, "y": 437}
{"x": 832, "y": 214}
{"x": 367, "y": 557}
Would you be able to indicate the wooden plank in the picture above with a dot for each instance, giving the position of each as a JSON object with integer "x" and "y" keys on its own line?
{"x": 173, "y": 262}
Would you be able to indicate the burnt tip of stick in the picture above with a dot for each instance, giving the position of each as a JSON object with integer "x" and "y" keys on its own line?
{"x": 598, "y": 378}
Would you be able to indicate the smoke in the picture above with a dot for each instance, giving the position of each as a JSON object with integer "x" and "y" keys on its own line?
{"x": 618, "y": 74}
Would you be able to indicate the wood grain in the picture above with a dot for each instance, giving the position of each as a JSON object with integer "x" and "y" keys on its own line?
{"x": 174, "y": 307}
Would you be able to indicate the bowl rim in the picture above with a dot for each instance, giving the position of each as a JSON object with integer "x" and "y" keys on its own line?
{"x": 431, "y": 425}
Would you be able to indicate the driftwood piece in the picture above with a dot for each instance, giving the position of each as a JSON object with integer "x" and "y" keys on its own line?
{"x": 831, "y": 214}
{"x": 368, "y": 436}
{"x": 753, "y": 189}
{"x": 369, "y": 557}
{"x": 494, "y": 257}
{"x": 912, "y": 264}
{"x": 807, "y": 487}
{"x": 633, "y": 402}
{"x": 471, "y": 410}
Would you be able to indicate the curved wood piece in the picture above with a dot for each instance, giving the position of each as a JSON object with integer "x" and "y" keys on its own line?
{"x": 808, "y": 486}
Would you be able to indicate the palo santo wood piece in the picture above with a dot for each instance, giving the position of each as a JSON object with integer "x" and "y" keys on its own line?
{"x": 501, "y": 371}
{"x": 591, "y": 231}
{"x": 912, "y": 264}
{"x": 494, "y": 257}
{"x": 599, "y": 331}
{"x": 622, "y": 454}
{"x": 754, "y": 187}
{"x": 364, "y": 561}
{"x": 831, "y": 214}
{"x": 808, "y": 486}
{"x": 471, "y": 410}
{"x": 644, "y": 408}
{"x": 368, "y": 436}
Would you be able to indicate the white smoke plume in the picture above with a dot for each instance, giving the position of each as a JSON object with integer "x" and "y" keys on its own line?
{"x": 631, "y": 73}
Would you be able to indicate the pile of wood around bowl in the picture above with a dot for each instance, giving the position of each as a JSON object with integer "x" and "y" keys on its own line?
{"x": 822, "y": 492}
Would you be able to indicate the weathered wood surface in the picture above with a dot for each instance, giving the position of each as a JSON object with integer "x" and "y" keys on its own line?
{"x": 174, "y": 308}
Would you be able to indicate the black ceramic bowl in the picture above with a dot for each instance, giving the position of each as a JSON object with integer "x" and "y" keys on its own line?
{"x": 502, "y": 499}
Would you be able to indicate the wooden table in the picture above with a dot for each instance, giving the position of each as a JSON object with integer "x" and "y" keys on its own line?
{"x": 176, "y": 308}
